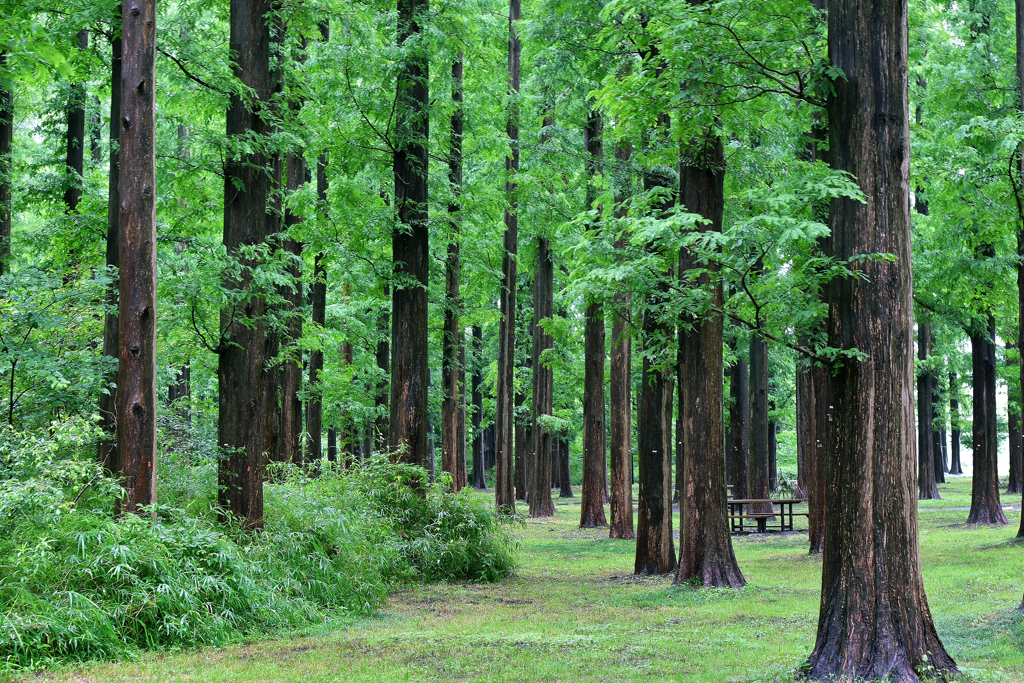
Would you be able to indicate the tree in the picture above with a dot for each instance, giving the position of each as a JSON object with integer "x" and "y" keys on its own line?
{"x": 594, "y": 459}
{"x": 6, "y": 166}
{"x": 241, "y": 353}
{"x": 1015, "y": 482}
{"x": 739, "y": 421}
{"x": 543, "y": 452}
{"x": 75, "y": 156}
{"x": 504, "y": 496}
{"x": 409, "y": 424}
{"x": 985, "y": 505}
{"x": 758, "y": 485}
{"x": 136, "y": 376}
{"x": 479, "y": 480}
{"x": 926, "y": 489}
{"x": 954, "y": 426}
{"x": 874, "y": 620}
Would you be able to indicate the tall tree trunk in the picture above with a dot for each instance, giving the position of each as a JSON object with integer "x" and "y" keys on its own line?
{"x": 541, "y": 504}
{"x": 594, "y": 450}
{"x": 273, "y": 445}
{"x": 332, "y": 444}
{"x": 241, "y": 360}
{"x": 504, "y": 495}
{"x": 409, "y": 244}
{"x": 954, "y": 425}
{"x": 524, "y": 439}
{"x": 874, "y": 620}
{"x": 75, "y": 156}
{"x": 1015, "y": 482}
{"x": 739, "y": 421}
{"x": 291, "y": 374}
{"x": 759, "y": 485}
{"x": 773, "y": 452}
{"x": 803, "y": 394}
{"x": 453, "y": 410}
{"x": 926, "y": 489}
{"x": 564, "y": 478}
{"x": 318, "y": 316}
{"x": 938, "y": 447}
{"x": 348, "y": 433}
{"x": 107, "y": 448}
{"x": 6, "y": 166}
{"x": 705, "y": 546}
{"x": 985, "y": 505}
{"x": 136, "y": 375}
{"x": 620, "y": 494}
{"x": 479, "y": 480}
{"x": 383, "y": 353}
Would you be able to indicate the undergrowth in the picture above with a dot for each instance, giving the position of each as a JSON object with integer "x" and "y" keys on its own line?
{"x": 77, "y": 583}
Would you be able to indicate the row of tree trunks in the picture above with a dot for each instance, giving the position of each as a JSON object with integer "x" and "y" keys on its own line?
{"x": 594, "y": 445}
{"x": 136, "y": 378}
{"x": 705, "y": 546}
{"x": 874, "y": 620}
{"x": 926, "y": 488}
{"x": 241, "y": 359}
{"x": 504, "y": 494}
{"x": 543, "y": 453}
{"x": 453, "y": 410}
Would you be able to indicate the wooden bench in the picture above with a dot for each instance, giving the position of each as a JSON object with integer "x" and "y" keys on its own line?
{"x": 737, "y": 514}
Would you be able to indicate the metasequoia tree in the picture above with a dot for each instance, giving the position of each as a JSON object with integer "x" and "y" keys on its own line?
{"x": 758, "y": 484}
{"x": 453, "y": 410}
{"x": 6, "y": 140}
{"x": 620, "y": 490}
{"x": 705, "y": 544}
{"x": 240, "y": 367}
{"x": 504, "y": 494}
{"x": 874, "y": 620}
{"x": 926, "y": 489}
{"x": 479, "y": 480}
{"x": 985, "y": 505}
{"x": 1015, "y": 482}
{"x": 594, "y": 459}
{"x": 543, "y": 452}
{"x": 136, "y": 376}
{"x": 409, "y": 423}
{"x": 739, "y": 420}
{"x": 74, "y": 159}
{"x": 954, "y": 425}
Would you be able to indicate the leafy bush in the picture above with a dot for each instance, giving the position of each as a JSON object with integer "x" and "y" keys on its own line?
{"x": 78, "y": 584}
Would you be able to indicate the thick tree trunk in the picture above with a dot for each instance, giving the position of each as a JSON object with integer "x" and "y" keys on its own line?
{"x": 479, "y": 481}
{"x": 107, "y": 447}
{"x": 6, "y": 165}
{"x": 874, "y": 620}
{"x": 543, "y": 454}
{"x": 136, "y": 376}
{"x": 954, "y": 425}
{"x": 594, "y": 445}
{"x": 759, "y": 484}
{"x": 409, "y": 246}
{"x": 817, "y": 457}
{"x": 241, "y": 360}
{"x": 985, "y": 505}
{"x": 565, "y": 480}
{"x": 74, "y": 160}
{"x": 1015, "y": 482}
{"x": 504, "y": 495}
{"x": 926, "y": 489}
{"x": 452, "y": 407}
{"x": 705, "y": 546}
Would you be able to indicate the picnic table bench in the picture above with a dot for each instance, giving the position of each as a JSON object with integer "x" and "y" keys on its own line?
{"x": 738, "y": 517}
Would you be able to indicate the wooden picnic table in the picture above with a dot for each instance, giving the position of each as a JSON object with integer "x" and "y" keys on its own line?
{"x": 737, "y": 516}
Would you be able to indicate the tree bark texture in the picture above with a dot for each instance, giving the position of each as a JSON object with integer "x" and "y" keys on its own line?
{"x": 453, "y": 458}
{"x": 136, "y": 375}
{"x": 705, "y": 547}
{"x": 1015, "y": 481}
{"x": 739, "y": 421}
{"x": 954, "y": 425}
{"x": 758, "y": 485}
{"x": 803, "y": 395}
{"x": 773, "y": 453}
{"x": 241, "y": 360}
{"x": 940, "y": 465}
{"x": 874, "y": 620}
{"x": 74, "y": 159}
{"x": 543, "y": 453}
{"x": 926, "y": 489}
{"x": 985, "y": 505}
{"x": 564, "y": 475}
{"x": 1019, "y": 11}
{"x": 594, "y": 444}
{"x": 504, "y": 495}
{"x": 479, "y": 480}
{"x": 6, "y": 165}
{"x": 383, "y": 354}
{"x": 291, "y": 372}
{"x": 409, "y": 245}
{"x": 318, "y": 316}
{"x": 107, "y": 447}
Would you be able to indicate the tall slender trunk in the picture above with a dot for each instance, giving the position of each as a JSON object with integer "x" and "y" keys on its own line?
{"x": 817, "y": 457}
{"x": 739, "y": 421}
{"x": 241, "y": 360}
{"x": 479, "y": 480}
{"x": 926, "y": 489}
{"x": 773, "y": 448}
{"x": 705, "y": 546}
{"x": 803, "y": 394}
{"x": 1019, "y": 15}
{"x": 985, "y": 505}
{"x": 332, "y": 444}
{"x": 594, "y": 446}
{"x": 273, "y": 445}
{"x": 348, "y": 433}
{"x": 954, "y": 425}
{"x": 453, "y": 409}
{"x": 136, "y": 377}
{"x": 541, "y": 504}
{"x": 107, "y": 447}
{"x": 504, "y": 496}
{"x": 564, "y": 478}
{"x": 409, "y": 425}
{"x": 759, "y": 485}
{"x": 74, "y": 160}
{"x": 1015, "y": 482}
{"x": 6, "y": 167}
{"x": 383, "y": 353}
{"x": 874, "y": 620}
{"x": 524, "y": 440}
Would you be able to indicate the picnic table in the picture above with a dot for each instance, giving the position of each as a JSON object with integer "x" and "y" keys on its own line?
{"x": 739, "y": 520}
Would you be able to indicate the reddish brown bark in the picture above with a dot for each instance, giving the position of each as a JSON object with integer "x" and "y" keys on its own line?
{"x": 291, "y": 372}
{"x": 926, "y": 489}
{"x": 1015, "y": 481}
{"x": 479, "y": 480}
{"x": 739, "y": 421}
{"x": 705, "y": 547}
{"x": 817, "y": 457}
{"x": 504, "y": 494}
{"x": 136, "y": 376}
{"x": 241, "y": 356}
{"x": 409, "y": 424}
{"x": 758, "y": 484}
{"x": 985, "y": 505}
{"x": 543, "y": 451}
{"x": 562, "y": 454}
{"x": 874, "y": 620}
{"x": 803, "y": 394}
{"x": 954, "y": 425}
{"x": 74, "y": 160}
{"x": 594, "y": 447}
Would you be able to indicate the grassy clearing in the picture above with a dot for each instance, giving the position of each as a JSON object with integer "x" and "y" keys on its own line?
{"x": 574, "y": 612}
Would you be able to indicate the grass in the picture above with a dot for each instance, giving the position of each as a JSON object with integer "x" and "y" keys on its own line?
{"x": 574, "y": 612}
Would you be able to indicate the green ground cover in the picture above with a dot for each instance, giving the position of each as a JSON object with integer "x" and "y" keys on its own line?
{"x": 574, "y": 612}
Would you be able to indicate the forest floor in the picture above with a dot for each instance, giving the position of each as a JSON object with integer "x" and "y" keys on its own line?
{"x": 574, "y": 612}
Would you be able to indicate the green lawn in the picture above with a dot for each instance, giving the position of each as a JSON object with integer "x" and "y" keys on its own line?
{"x": 574, "y": 612}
